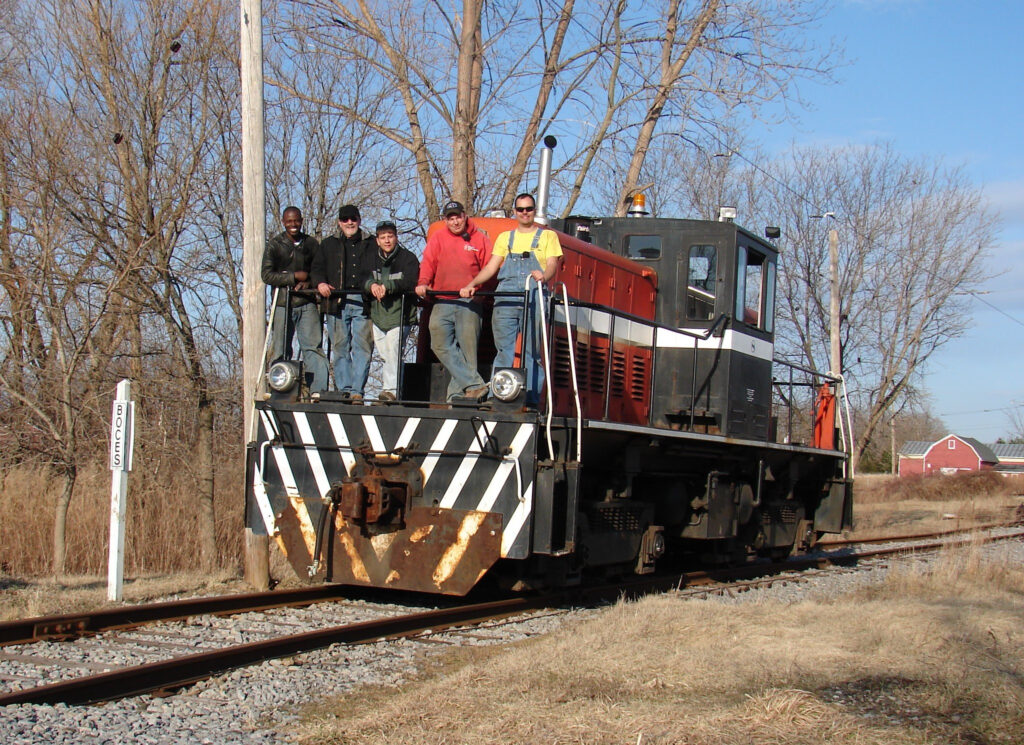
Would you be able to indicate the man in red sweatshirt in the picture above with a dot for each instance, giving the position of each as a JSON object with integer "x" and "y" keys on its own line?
{"x": 451, "y": 259}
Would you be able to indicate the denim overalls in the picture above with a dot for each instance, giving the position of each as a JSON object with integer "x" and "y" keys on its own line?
{"x": 508, "y": 315}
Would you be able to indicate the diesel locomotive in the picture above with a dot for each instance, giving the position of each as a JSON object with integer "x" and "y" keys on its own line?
{"x": 665, "y": 429}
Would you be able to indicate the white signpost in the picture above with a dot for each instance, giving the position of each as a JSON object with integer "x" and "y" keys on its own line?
{"x": 122, "y": 435}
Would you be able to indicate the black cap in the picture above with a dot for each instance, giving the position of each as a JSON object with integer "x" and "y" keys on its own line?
{"x": 349, "y": 211}
{"x": 386, "y": 225}
{"x": 453, "y": 208}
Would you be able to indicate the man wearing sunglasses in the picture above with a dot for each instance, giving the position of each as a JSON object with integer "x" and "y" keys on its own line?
{"x": 522, "y": 257}
{"x": 338, "y": 266}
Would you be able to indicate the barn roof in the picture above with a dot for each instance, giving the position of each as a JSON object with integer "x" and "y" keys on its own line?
{"x": 984, "y": 451}
{"x": 913, "y": 448}
{"x": 1008, "y": 450}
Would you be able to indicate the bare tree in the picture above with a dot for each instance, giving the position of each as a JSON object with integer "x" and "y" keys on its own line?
{"x": 1016, "y": 417}
{"x": 56, "y": 330}
{"x": 913, "y": 236}
{"x": 319, "y": 158}
{"x": 154, "y": 74}
{"x": 711, "y": 62}
{"x": 114, "y": 138}
{"x": 457, "y": 90}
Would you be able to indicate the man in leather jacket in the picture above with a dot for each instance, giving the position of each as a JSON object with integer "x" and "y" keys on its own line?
{"x": 338, "y": 267}
{"x": 287, "y": 259}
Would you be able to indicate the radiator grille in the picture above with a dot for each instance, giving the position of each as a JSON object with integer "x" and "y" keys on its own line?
{"x": 615, "y": 517}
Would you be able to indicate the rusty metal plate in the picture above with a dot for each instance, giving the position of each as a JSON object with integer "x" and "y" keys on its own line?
{"x": 296, "y": 537}
{"x": 438, "y": 550}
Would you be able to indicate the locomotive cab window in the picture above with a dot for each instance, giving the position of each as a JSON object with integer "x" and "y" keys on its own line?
{"x": 755, "y": 288}
{"x": 701, "y": 275}
{"x": 643, "y": 247}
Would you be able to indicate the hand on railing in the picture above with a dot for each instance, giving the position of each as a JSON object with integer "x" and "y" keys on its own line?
{"x": 476, "y": 291}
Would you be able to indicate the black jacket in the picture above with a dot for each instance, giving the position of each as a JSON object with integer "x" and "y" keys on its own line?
{"x": 398, "y": 272}
{"x": 339, "y": 263}
{"x": 282, "y": 258}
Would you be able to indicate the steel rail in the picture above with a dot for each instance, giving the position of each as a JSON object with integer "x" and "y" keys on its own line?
{"x": 182, "y": 671}
{"x": 829, "y": 543}
{"x": 73, "y": 625}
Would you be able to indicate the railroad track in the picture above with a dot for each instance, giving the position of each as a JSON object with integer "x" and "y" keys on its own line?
{"x": 835, "y": 543}
{"x": 188, "y": 665}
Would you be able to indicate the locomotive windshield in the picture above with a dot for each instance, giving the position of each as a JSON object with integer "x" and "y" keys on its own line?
{"x": 702, "y": 271}
{"x": 755, "y": 288}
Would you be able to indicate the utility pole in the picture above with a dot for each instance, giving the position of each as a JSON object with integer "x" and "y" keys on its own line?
{"x": 257, "y": 568}
{"x": 835, "y": 355}
{"x": 892, "y": 444}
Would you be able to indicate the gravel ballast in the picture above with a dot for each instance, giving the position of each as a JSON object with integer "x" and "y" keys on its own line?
{"x": 257, "y": 704}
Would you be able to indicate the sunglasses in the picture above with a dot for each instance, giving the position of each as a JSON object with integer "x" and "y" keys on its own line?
{"x": 348, "y": 219}
{"x": 525, "y": 209}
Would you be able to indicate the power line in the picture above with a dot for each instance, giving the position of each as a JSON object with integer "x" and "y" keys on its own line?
{"x": 852, "y": 228}
{"x": 983, "y": 411}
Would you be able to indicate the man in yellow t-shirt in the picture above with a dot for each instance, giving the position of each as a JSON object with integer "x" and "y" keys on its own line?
{"x": 531, "y": 251}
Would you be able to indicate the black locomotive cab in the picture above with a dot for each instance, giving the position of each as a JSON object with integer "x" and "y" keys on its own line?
{"x": 716, "y": 285}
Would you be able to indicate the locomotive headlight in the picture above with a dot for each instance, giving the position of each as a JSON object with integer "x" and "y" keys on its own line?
{"x": 507, "y": 384}
{"x": 282, "y": 376}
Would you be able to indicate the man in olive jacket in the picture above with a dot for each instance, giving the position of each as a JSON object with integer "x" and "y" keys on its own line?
{"x": 391, "y": 272}
{"x": 338, "y": 266}
{"x": 287, "y": 259}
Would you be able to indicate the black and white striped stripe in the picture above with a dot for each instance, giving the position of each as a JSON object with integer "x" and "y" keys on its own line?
{"x": 446, "y": 447}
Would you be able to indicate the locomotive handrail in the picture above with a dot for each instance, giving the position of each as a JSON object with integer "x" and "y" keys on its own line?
{"x": 655, "y": 326}
{"x": 626, "y": 316}
{"x": 810, "y": 371}
{"x": 476, "y": 293}
{"x": 545, "y": 351}
{"x": 575, "y": 381}
{"x": 262, "y": 379}
{"x": 845, "y": 420}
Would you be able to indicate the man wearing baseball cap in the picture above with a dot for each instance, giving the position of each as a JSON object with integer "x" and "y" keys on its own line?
{"x": 391, "y": 272}
{"x": 337, "y": 268}
{"x": 451, "y": 259}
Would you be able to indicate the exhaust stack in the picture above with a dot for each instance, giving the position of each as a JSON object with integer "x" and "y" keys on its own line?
{"x": 544, "y": 180}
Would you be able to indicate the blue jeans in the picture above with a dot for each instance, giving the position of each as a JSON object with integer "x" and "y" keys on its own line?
{"x": 454, "y": 334}
{"x": 506, "y": 321}
{"x": 351, "y": 347}
{"x": 309, "y": 333}
{"x": 390, "y": 344}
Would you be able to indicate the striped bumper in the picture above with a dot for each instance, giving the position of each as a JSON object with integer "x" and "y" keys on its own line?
{"x": 470, "y": 505}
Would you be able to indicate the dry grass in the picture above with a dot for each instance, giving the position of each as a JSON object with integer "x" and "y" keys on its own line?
{"x": 879, "y": 488}
{"x": 889, "y": 505}
{"x": 24, "y": 599}
{"x": 161, "y": 530}
{"x": 935, "y": 664}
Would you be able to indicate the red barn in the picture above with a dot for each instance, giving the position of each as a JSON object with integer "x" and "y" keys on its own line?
{"x": 950, "y": 454}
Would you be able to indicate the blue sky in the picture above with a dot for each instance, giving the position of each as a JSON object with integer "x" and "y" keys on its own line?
{"x": 943, "y": 79}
